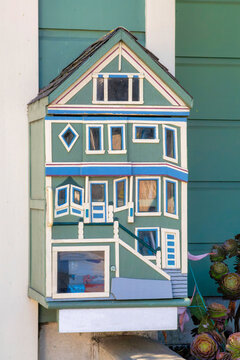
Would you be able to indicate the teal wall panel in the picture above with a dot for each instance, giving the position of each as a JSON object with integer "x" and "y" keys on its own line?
{"x": 208, "y": 28}
{"x": 208, "y": 66}
{"x": 95, "y": 15}
{"x": 214, "y": 85}
{"x": 67, "y": 29}
{"x": 218, "y": 159}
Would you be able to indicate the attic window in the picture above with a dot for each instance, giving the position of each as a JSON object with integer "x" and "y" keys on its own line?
{"x": 118, "y": 88}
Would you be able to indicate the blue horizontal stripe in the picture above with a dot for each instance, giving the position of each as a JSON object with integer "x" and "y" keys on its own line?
{"x": 97, "y": 216}
{"x": 171, "y": 237}
{"x": 98, "y": 207}
{"x": 76, "y": 211}
{"x": 61, "y": 211}
{"x": 117, "y": 76}
{"x": 120, "y": 118}
{"x": 116, "y": 112}
{"x": 114, "y": 171}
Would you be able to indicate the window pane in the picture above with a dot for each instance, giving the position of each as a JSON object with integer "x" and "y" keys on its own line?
{"x": 62, "y": 197}
{"x": 117, "y": 89}
{"x": 94, "y": 133}
{"x": 120, "y": 193}
{"x": 171, "y": 200}
{"x": 68, "y": 136}
{"x": 100, "y": 89}
{"x": 145, "y": 132}
{"x": 135, "y": 89}
{"x": 150, "y": 238}
{"x": 77, "y": 197}
{"x": 80, "y": 272}
{"x": 170, "y": 149}
{"x": 116, "y": 138}
{"x": 98, "y": 192}
{"x": 148, "y": 196}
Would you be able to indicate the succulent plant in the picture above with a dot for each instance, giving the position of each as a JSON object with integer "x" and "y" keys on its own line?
{"x": 230, "y": 286}
{"x": 218, "y": 269}
{"x": 223, "y": 356}
{"x": 231, "y": 247}
{"x": 218, "y": 253}
{"x": 206, "y": 325}
{"x": 204, "y": 347}
{"x": 233, "y": 345}
{"x": 218, "y": 312}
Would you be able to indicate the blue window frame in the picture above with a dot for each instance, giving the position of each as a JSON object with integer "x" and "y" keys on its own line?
{"x": 148, "y": 196}
{"x": 145, "y": 133}
{"x": 76, "y": 201}
{"x": 170, "y": 152}
{"x": 150, "y": 237}
{"x": 170, "y": 249}
{"x": 171, "y": 198}
{"x": 62, "y": 201}
{"x": 120, "y": 194}
{"x": 94, "y": 139}
{"x": 116, "y": 139}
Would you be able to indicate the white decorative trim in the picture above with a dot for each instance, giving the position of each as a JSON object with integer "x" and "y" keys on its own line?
{"x": 96, "y": 152}
{"x": 105, "y": 249}
{"x": 124, "y": 207}
{"x": 80, "y": 231}
{"x": 165, "y": 179}
{"x": 48, "y": 229}
{"x": 184, "y": 162}
{"x": 49, "y": 212}
{"x": 110, "y": 150}
{"x": 68, "y": 147}
{"x": 158, "y": 178}
{"x": 148, "y": 228}
{"x": 164, "y": 127}
{"x": 73, "y": 205}
{"x": 48, "y": 141}
{"x": 164, "y": 233}
{"x": 184, "y": 229}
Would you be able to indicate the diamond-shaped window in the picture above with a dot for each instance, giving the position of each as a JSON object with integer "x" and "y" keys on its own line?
{"x": 68, "y": 137}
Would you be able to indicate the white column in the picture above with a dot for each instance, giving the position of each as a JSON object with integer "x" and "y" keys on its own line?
{"x": 19, "y": 84}
{"x": 160, "y": 31}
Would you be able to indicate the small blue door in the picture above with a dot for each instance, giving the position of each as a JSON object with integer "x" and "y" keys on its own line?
{"x": 98, "y": 201}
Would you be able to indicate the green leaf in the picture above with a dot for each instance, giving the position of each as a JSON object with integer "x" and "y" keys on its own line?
{"x": 197, "y": 308}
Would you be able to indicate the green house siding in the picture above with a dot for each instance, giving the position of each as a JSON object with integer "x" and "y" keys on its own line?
{"x": 208, "y": 65}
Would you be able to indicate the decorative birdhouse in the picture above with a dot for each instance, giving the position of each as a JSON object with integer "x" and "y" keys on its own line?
{"x": 108, "y": 193}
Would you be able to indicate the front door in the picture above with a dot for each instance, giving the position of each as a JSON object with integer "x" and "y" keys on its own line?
{"x": 98, "y": 201}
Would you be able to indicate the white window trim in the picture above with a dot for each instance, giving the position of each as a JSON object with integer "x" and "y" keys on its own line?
{"x": 120, "y": 208}
{"x": 174, "y": 216}
{"x": 64, "y": 206}
{"x": 110, "y": 150}
{"x": 73, "y": 205}
{"x": 164, "y": 233}
{"x": 146, "y": 141}
{"x": 106, "y": 76}
{"x": 57, "y": 249}
{"x": 96, "y": 152}
{"x": 158, "y": 178}
{"x": 156, "y": 257}
{"x": 68, "y": 148}
{"x": 90, "y": 199}
{"x": 175, "y": 160}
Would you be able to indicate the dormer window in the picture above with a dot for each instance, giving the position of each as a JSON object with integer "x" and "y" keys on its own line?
{"x": 118, "y": 88}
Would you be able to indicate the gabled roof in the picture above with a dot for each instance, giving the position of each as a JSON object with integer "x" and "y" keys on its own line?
{"x": 90, "y": 51}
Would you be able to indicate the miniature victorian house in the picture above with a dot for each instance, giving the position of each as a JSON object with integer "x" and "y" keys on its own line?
{"x": 108, "y": 190}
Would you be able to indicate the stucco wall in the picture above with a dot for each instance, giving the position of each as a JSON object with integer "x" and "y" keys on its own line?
{"x": 19, "y": 83}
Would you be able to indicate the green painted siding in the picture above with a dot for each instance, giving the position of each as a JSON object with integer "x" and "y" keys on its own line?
{"x": 208, "y": 66}
{"x": 65, "y": 31}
